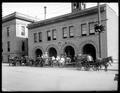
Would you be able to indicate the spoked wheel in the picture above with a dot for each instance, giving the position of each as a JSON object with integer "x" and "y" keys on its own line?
{"x": 10, "y": 63}
{"x": 17, "y": 63}
{"x": 55, "y": 63}
{"x": 79, "y": 66}
{"x": 94, "y": 68}
{"x": 13, "y": 64}
{"x": 86, "y": 68}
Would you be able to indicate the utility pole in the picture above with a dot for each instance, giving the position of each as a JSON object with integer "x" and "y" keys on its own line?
{"x": 45, "y": 12}
{"x": 99, "y": 23}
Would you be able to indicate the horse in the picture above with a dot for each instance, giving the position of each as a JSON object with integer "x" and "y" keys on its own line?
{"x": 11, "y": 61}
{"x": 104, "y": 62}
{"x": 109, "y": 59}
{"x": 50, "y": 61}
{"x": 67, "y": 60}
{"x": 38, "y": 61}
{"x": 54, "y": 61}
{"x": 61, "y": 62}
{"x": 31, "y": 61}
{"x": 16, "y": 61}
{"x": 45, "y": 61}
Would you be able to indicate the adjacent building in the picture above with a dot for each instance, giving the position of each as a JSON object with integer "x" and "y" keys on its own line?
{"x": 74, "y": 33}
{"x": 15, "y": 35}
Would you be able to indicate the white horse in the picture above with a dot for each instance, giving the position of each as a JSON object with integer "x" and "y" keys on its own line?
{"x": 45, "y": 58}
{"x": 61, "y": 61}
{"x": 53, "y": 61}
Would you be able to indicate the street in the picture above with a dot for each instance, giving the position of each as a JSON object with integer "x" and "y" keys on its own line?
{"x": 23, "y": 78}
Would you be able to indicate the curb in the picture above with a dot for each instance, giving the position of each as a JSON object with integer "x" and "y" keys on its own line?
{"x": 75, "y": 67}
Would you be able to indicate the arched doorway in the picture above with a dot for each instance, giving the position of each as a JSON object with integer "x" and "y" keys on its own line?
{"x": 70, "y": 52}
{"x": 90, "y": 49}
{"x": 38, "y": 52}
{"x": 52, "y": 52}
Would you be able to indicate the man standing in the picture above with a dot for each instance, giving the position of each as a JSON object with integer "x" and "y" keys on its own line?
{"x": 89, "y": 58}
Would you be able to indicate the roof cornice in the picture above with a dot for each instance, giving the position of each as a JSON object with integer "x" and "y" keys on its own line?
{"x": 65, "y": 17}
{"x": 17, "y": 15}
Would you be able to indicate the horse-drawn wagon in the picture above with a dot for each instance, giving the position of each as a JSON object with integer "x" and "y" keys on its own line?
{"x": 83, "y": 61}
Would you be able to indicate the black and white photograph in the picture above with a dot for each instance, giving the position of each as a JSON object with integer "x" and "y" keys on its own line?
{"x": 59, "y": 46}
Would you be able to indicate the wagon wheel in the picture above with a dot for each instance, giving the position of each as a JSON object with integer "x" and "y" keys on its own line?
{"x": 13, "y": 63}
{"x": 9, "y": 63}
{"x": 86, "y": 68}
{"x": 17, "y": 63}
{"x": 94, "y": 68}
{"x": 80, "y": 66}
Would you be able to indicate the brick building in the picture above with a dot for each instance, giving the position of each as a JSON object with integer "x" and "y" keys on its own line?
{"x": 74, "y": 33}
{"x": 15, "y": 35}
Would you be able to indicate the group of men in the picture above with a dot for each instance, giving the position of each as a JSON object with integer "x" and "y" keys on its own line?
{"x": 58, "y": 58}
{"x": 61, "y": 58}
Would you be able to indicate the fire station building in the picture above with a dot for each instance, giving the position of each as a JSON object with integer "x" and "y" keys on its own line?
{"x": 69, "y": 34}
{"x": 74, "y": 33}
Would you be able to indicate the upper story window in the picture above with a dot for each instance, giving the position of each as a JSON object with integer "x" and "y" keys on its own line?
{"x": 35, "y": 37}
{"x": 84, "y": 29}
{"x": 23, "y": 30}
{"x": 48, "y": 35}
{"x": 54, "y": 33}
{"x": 8, "y": 31}
{"x": 40, "y": 36}
{"x": 64, "y": 29}
{"x": 8, "y": 44}
{"x": 91, "y": 28}
{"x": 71, "y": 31}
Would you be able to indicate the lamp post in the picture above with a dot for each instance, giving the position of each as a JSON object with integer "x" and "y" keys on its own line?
{"x": 99, "y": 31}
{"x": 99, "y": 28}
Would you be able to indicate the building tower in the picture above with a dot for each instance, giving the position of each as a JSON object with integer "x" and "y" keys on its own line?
{"x": 78, "y": 6}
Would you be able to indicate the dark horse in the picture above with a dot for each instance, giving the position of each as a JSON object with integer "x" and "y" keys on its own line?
{"x": 39, "y": 62}
{"x": 104, "y": 62}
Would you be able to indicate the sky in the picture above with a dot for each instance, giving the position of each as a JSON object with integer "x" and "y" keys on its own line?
{"x": 37, "y": 9}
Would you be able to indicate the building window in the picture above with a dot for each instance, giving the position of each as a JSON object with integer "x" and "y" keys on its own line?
{"x": 48, "y": 35}
{"x": 8, "y": 44}
{"x": 8, "y": 31}
{"x": 23, "y": 30}
{"x": 54, "y": 33}
{"x": 84, "y": 29}
{"x": 40, "y": 36}
{"x": 71, "y": 31}
{"x": 35, "y": 37}
{"x": 64, "y": 32}
{"x": 23, "y": 46}
{"x": 91, "y": 28}
{"x": 76, "y": 5}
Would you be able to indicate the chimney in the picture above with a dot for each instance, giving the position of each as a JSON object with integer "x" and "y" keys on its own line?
{"x": 45, "y": 12}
